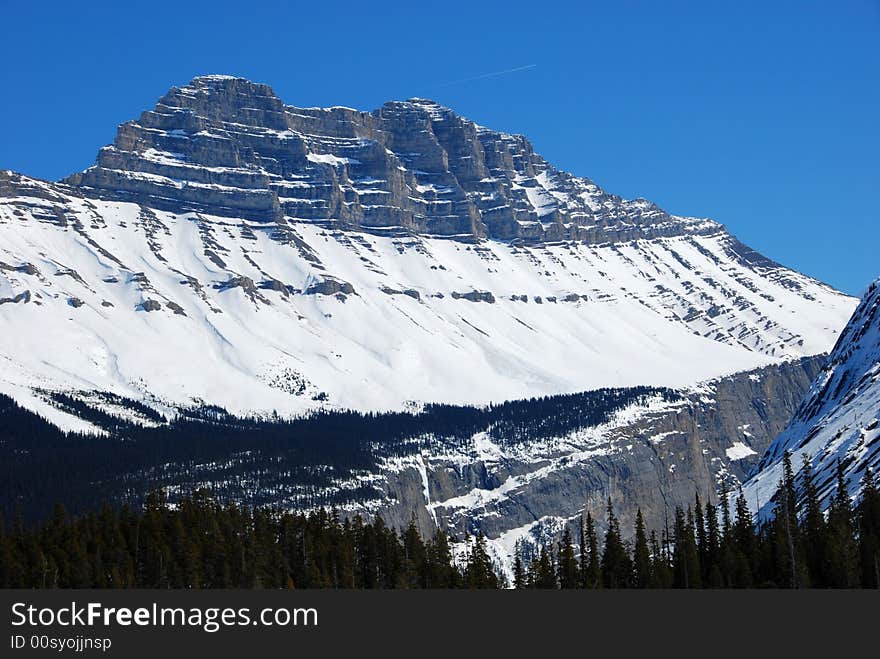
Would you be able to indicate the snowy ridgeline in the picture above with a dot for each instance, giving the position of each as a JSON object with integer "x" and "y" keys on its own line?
{"x": 839, "y": 419}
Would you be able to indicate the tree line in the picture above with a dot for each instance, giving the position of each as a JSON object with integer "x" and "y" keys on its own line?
{"x": 198, "y": 542}
{"x": 722, "y": 546}
{"x": 255, "y": 461}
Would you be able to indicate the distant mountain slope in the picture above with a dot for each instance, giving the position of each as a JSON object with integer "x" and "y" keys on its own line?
{"x": 839, "y": 418}
{"x": 229, "y": 249}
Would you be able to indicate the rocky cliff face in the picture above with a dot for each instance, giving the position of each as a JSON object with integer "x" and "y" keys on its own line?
{"x": 227, "y": 146}
{"x": 653, "y": 456}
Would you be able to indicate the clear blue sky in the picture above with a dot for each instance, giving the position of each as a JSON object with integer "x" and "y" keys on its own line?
{"x": 762, "y": 115}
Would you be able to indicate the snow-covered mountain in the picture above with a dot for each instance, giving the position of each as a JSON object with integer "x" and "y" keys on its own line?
{"x": 232, "y": 250}
{"x": 839, "y": 418}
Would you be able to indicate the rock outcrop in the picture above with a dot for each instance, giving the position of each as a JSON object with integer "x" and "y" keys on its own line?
{"x": 661, "y": 458}
{"x": 230, "y": 147}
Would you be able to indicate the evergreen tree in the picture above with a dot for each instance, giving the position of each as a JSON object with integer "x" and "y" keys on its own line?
{"x": 725, "y": 511}
{"x": 593, "y": 573}
{"x": 785, "y": 525}
{"x": 843, "y": 550}
{"x": 583, "y": 554}
{"x": 869, "y": 532}
{"x": 661, "y": 573}
{"x": 742, "y": 545}
{"x": 616, "y": 563}
{"x": 545, "y": 574}
{"x": 701, "y": 536}
{"x": 567, "y": 566}
{"x": 685, "y": 559}
{"x": 642, "y": 564}
{"x": 415, "y": 557}
{"x": 441, "y": 571}
{"x": 479, "y": 572}
{"x": 713, "y": 577}
{"x": 813, "y": 528}
{"x": 519, "y": 573}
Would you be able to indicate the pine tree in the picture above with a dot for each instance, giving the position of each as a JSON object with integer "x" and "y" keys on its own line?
{"x": 567, "y": 566}
{"x": 642, "y": 567}
{"x": 545, "y": 574}
{"x": 786, "y": 528}
{"x": 593, "y": 573}
{"x": 725, "y": 511}
{"x": 661, "y": 574}
{"x": 441, "y": 573}
{"x": 727, "y": 546}
{"x": 813, "y": 528}
{"x": 869, "y": 532}
{"x": 701, "y": 537}
{"x": 479, "y": 572}
{"x": 742, "y": 545}
{"x": 519, "y": 574}
{"x": 415, "y": 556}
{"x": 843, "y": 550}
{"x": 685, "y": 559}
{"x": 712, "y": 561}
{"x": 583, "y": 554}
{"x": 616, "y": 564}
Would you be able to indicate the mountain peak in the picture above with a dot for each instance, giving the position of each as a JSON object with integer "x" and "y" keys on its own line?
{"x": 223, "y": 81}
{"x": 227, "y": 146}
{"x": 215, "y": 77}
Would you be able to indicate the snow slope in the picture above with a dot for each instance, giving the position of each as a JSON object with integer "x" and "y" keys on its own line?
{"x": 584, "y": 316}
{"x": 229, "y": 249}
{"x": 838, "y": 420}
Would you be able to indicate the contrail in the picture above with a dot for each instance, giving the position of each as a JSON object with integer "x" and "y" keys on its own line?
{"x": 487, "y": 75}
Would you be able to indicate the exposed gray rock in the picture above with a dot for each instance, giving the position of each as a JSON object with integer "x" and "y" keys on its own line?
{"x": 410, "y": 292}
{"x": 475, "y": 296}
{"x": 24, "y": 268}
{"x": 150, "y": 305}
{"x": 24, "y": 296}
{"x": 176, "y": 308}
{"x": 275, "y": 285}
{"x": 244, "y": 283}
{"x": 227, "y": 146}
{"x": 330, "y": 287}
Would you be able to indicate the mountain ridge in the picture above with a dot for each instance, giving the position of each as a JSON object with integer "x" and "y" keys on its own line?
{"x": 837, "y": 419}
{"x": 256, "y": 148}
{"x": 229, "y": 249}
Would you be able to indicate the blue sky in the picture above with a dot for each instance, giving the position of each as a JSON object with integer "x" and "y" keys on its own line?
{"x": 762, "y": 115}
